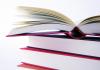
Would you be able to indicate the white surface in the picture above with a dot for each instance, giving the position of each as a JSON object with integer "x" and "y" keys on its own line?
{"x": 77, "y": 10}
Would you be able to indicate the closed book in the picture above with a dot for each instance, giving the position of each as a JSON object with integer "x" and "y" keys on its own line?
{"x": 84, "y": 47}
{"x": 56, "y": 61}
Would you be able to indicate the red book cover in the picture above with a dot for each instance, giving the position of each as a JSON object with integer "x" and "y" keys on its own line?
{"x": 33, "y": 66}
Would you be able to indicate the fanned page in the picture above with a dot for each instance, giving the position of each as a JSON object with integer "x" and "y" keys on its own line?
{"x": 46, "y": 12}
{"x": 91, "y": 26}
{"x": 45, "y": 19}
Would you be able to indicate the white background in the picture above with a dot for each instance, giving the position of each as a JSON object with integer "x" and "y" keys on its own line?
{"x": 77, "y": 10}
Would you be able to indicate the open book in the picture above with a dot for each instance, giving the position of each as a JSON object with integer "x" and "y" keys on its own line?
{"x": 49, "y": 22}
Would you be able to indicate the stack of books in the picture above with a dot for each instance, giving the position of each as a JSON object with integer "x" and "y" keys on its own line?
{"x": 55, "y": 43}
